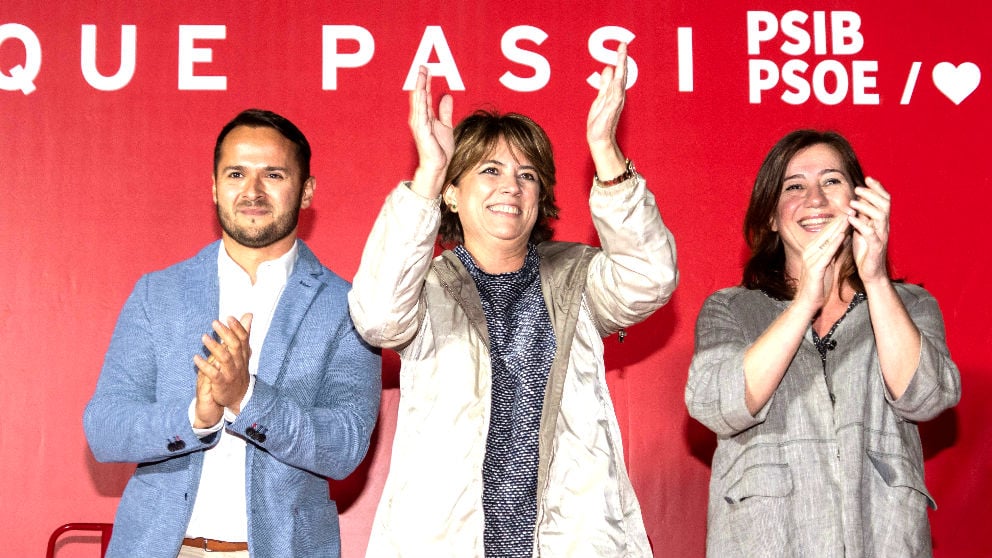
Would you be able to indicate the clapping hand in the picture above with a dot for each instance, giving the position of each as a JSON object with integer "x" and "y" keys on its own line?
{"x": 604, "y": 117}
{"x": 433, "y": 134}
{"x": 871, "y": 229}
{"x": 223, "y": 377}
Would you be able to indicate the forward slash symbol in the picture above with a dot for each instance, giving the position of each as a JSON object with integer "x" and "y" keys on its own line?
{"x": 907, "y": 93}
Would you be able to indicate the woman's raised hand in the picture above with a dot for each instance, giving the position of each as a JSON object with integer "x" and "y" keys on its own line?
{"x": 604, "y": 116}
{"x": 433, "y": 134}
{"x": 871, "y": 230}
{"x": 812, "y": 287}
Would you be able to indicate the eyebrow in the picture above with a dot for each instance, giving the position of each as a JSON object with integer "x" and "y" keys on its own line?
{"x": 242, "y": 168}
{"x": 823, "y": 172}
{"x": 501, "y": 164}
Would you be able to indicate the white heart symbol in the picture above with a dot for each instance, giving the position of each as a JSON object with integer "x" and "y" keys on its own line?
{"x": 956, "y": 82}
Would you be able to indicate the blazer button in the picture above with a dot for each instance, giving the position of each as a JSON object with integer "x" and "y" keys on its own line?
{"x": 254, "y": 434}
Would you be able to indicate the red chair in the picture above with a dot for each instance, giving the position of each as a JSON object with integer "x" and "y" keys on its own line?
{"x": 105, "y": 530}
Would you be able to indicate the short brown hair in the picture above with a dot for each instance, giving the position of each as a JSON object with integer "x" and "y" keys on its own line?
{"x": 258, "y": 118}
{"x": 476, "y": 137}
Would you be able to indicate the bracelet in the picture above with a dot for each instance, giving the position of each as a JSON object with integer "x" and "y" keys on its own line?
{"x": 628, "y": 173}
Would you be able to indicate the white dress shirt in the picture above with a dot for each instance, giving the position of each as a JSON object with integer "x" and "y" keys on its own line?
{"x": 220, "y": 511}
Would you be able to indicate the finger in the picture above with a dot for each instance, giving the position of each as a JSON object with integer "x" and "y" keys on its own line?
{"x": 237, "y": 349}
{"x": 876, "y": 186}
{"x": 622, "y": 65}
{"x": 222, "y": 354}
{"x": 205, "y": 367}
{"x": 418, "y": 97}
{"x": 613, "y": 86}
{"x": 824, "y": 245}
{"x": 877, "y": 196}
{"x": 227, "y": 334}
{"x": 214, "y": 347}
{"x": 417, "y": 92}
{"x": 606, "y": 80}
{"x": 828, "y": 246}
{"x": 224, "y": 360}
{"x": 872, "y": 207}
{"x": 240, "y": 328}
{"x": 873, "y": 191}
{"x": 428, "y": 96}
{"x": 869, "y": 199}
{"x": 870, "y": 221}
{"x": 832, "y": 231}
{"x": 423, "y": 85}
{"x": 861, "y": 226}
{"x": 446, "y": 109}
{"x": 870, "y": 210}
{"x": 203, "y": 386}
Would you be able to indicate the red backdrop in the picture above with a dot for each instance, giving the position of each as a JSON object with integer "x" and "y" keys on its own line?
{"x": 110, "y": 109}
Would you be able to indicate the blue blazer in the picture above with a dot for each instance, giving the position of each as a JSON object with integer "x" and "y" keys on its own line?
{"x": 310, "y": 416}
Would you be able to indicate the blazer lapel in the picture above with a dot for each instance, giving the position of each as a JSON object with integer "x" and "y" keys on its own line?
{"x": 302, "y": 287}
{"x": 203, "y": 291}
{"x": 201, "y": 304}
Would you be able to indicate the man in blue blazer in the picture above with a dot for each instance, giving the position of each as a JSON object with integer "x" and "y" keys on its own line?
{"x": 235, "y": 379}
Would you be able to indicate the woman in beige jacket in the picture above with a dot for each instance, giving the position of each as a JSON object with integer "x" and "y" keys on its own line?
{"x": 506, "y": 442}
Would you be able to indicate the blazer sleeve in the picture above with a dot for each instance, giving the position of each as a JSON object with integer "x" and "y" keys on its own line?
{"x": 323, "y": 422}
{"x": 385, "y": 296}
{"x": 714, "y": 394}
{"x": 636, "y": 271}
{"x": 936, "y": 384}
{"x": 139, "y": 413}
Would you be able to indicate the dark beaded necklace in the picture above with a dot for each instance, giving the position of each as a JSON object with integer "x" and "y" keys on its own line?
{"x": 827, "y": 343}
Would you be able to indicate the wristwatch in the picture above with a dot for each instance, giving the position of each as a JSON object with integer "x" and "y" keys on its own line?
{"x": 627, "y": 175}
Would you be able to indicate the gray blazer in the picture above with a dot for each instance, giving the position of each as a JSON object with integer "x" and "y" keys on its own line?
{"x": 831, "y": 466}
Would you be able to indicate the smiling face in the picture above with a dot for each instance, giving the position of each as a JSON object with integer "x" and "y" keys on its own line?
{"x": 815, "y": 190}
{"x": 259, "y": 188}
{"x": 497, "y": 202}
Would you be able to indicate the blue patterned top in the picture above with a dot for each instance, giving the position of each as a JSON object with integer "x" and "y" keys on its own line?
{"x": 522, "y": 348}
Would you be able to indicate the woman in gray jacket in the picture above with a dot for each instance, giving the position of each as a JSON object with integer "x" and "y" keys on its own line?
{"x": 814, "y": 372}
{"x": 506, "y": 442}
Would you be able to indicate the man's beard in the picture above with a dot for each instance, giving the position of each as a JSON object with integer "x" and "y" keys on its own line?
{"x": 259, "y": 237}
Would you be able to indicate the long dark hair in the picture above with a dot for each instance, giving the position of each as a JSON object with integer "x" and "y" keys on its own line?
{"x": 765, "y": 269}
{"x": 476, "y": 137}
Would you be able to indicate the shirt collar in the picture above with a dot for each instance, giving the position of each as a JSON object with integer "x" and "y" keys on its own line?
{"x": 281, "y": 267}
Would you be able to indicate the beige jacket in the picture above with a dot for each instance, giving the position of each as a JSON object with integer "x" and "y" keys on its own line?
{"x": 429, "y": 311}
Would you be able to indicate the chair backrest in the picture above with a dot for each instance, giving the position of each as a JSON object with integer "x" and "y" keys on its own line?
{"x": 105, "y": 530}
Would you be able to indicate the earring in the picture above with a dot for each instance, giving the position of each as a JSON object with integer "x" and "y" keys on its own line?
{"x": 449, "y": 199}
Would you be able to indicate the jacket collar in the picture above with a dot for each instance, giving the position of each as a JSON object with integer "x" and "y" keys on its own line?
{"x": 563, "y": 277}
